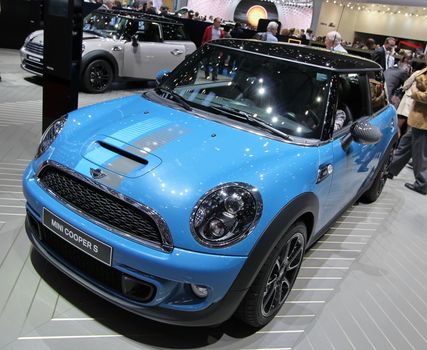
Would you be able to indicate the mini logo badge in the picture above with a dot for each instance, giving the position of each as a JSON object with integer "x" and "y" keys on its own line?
{"x": 97, "y": 173}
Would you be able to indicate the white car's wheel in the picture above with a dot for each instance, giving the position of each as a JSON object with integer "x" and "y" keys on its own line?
{"x": 98, "y": 76}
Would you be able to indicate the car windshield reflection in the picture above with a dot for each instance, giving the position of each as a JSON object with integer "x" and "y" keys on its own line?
{"x": 289, "y": 97}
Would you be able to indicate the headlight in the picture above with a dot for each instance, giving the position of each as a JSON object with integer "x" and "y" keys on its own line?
{"x": 50, "y": 135}
{"x": 226, "y": 214}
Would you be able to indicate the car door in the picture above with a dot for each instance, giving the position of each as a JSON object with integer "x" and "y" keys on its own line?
{"x": 355, "y": 164}
{"x": 146, "y": 53}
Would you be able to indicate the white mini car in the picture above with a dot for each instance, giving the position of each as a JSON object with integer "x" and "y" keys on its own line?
{"x": 119, "y": 44}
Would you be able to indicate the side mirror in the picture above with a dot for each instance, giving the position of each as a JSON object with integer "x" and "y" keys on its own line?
{"x": 362, "y": 132}
{"x": 162, "y": 75}
{"x": 135, "y": 41}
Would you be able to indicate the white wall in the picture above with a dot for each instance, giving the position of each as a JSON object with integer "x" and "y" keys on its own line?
{"x": 393, "y": 25}
{"x": 291, "y": 17}
{"x": 370, "y": 22}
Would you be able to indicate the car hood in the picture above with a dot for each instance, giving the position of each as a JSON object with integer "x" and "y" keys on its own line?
{"x": 168, "y": 159}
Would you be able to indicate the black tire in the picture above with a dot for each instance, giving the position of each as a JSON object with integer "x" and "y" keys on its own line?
{"x": 97, "y": 76}
{"x": 274, "y": 282}
{"x": 372, "y": 194}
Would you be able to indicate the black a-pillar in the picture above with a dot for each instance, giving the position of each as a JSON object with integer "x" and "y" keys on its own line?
{"x": 63, "y": 28}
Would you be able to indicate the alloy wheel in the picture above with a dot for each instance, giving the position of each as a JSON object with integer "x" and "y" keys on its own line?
{"x": 282, "y": 275}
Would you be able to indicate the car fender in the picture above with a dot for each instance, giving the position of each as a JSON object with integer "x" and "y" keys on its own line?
{"x": 304, "y": 204}
{"x": 97, "y": 54}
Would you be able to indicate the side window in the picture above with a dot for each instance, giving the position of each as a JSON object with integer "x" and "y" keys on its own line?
{"x": 148, "y": 31}
{"x": 173, "y": 32}
{"x": 351, "y": 104}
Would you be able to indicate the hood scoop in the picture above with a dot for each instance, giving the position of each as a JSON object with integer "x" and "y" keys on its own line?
{"x": 120, "y": 157}
{"x": 123, "y": 152}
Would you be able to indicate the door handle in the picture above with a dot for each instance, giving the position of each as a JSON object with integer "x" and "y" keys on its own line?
{"x": 177, "y": 52}
{"x": 324, "y": 171}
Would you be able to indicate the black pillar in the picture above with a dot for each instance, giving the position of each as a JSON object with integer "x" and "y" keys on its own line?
{"x": 63, "y": 28}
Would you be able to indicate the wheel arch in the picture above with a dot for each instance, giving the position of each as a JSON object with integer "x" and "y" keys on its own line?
{"x": 99, "y": 54}
{"x": 305, "y": 208}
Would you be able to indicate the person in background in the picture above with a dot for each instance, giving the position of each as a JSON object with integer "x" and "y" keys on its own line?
{"x": 384, "y": 55}
{"x": 107, "y": 5}
{"x": 333, "y": 42}
{"x": 151, "y": 9}
{"x": 164, "y": 10}
{"x": 213, "y": 32}
{"x": 237, "y": 31}
{"x": 117, "y": 4}
{"x": 284, "y": 32}
{"x": 395, "y": 77}
{"x": 309, "y": 34}
{"x": 302, "y": 33}
{"x": 417, "y": 120}
{"x": 227, "y": 33}
{"x": 415, "y": 136}
{"x": 370, "y": 44}
{"x": 272, "y": 29}
{"x": 143, "y": 7}
{"x": 292, "y": 32}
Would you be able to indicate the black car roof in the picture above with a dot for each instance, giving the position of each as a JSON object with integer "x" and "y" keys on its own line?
{"x": 133, "y": 14}
{"x": 313, "y": 56}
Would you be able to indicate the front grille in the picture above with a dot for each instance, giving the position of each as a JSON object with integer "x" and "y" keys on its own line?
{"x": 34, "y": 48}
{"x": 33, "y": 66}
{"x": 101, "y": 206}
{"x": 85, "y": 265}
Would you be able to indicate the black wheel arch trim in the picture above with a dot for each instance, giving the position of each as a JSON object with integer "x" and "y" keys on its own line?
{"x": 305, "y": 204}
{"x": 100, "y": 54}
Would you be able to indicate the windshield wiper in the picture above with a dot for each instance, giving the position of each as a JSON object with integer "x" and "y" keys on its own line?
{"x": 177, "y": 97}
{"x": 251, "y": 119}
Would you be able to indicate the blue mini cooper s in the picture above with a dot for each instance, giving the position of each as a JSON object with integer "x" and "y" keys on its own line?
{"x": 197, "y": 200}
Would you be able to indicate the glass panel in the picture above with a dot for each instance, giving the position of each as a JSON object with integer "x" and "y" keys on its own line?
{"x": 289, "y": 97}
{"x": 105, "y": 25}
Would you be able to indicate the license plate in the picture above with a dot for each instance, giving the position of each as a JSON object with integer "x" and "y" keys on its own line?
{"x": 87, "y": 244}
{"x": 32, "y": 58}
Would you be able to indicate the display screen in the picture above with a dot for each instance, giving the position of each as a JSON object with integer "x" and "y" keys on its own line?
{"x": 58, "y": 8}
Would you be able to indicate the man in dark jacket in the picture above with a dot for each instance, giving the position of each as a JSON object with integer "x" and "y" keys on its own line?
{"x": 384, "y": 55}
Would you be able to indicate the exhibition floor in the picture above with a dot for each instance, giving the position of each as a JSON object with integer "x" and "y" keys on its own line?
{"x": 362, "y": 286}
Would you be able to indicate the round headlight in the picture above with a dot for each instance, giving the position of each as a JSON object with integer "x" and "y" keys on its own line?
{"x": 50, "y": 135}
{"x": 226, "y": 214}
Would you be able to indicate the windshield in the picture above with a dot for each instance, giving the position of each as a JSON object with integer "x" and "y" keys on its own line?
{"x": 105, "y": 25}
{"x": 287, "y": 96}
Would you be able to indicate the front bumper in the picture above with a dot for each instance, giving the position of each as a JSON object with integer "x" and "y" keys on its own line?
{"x": 169, "y": 274}
{"x": 31, "y": 62}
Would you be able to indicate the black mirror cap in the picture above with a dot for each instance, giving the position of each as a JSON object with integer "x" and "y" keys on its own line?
{"x": 365, "y": 133}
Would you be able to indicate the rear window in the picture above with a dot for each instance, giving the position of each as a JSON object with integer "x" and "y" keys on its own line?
{"x": 173, "y": 32}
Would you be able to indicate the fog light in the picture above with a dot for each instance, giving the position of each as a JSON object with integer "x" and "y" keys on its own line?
{"x": 199, "y": 291}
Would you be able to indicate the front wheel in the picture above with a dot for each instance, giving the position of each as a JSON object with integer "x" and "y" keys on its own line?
{"x": 275, "y": 280}
{"x": 98, "y": 76}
